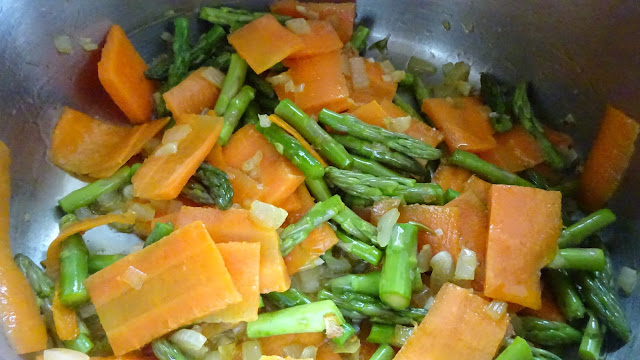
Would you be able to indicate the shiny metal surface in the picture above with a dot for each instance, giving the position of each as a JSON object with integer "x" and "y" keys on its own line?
{"x": 579, "y": 56}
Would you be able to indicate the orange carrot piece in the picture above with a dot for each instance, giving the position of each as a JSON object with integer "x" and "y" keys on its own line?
{"x": 378, "y": 88}
{"x": 264, "y": 42}
{"x": 464, "y": 122}
{"x": 339, "y": 15}
{"x": 275, "y": 345}
{"x": 193, "y": 94}
{"x": 479, "y": 188}
{"x": 236, "y": 225}
{"x": 451, "y": 177}
{"x": 20, "y": 314}
{"x": 163, "y": 177}
{"x": 321, "y": 39}
{"x": 457, "y": 326}
{"x": 121, "y": 72}
{"x": 436, "y": 218}
{"x": 371, "y": 113}
{"x": 86, "y": 146}
{"x": 64, "y": 319}
{"x": 242, "y": 260}
{"x": 549, "y": 309}
{"x": 417, "y": 128}
{"x": 325, "y": 352}
{"x": 134, "y": 355}
{"x": 608, "y": 159}
{"x": 516, "y": 150}
{"x": 154, "y": 291}
{"x": 524, "y": 226}
{"x": 293, "y": 132}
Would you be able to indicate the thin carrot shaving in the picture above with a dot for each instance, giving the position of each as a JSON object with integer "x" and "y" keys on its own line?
{"x": 64, "y": 318}
{"x": 288, "y": 128}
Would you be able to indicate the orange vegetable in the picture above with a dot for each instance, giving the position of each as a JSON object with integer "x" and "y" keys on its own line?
{"x": 516, "y": 150}
{"x": 436, "y": 218}
{"x": 371, "y": 113}
{"x": 264, "y": 42}
{"x": 479, "y": 188}
{"x": 121, "y": 72}
{"x": 164, "y": 295}
{"x": 134, "y": 355}
{"x": 321, "y": 39}
{"x": 193, "y": 94}
{"x": 274, "y": 345}
{"x": 242, "y": 260}
{"x": 293, "y": 132}
{"x": 524, "y": 226}
{"x": 608, "y": 159}
{"x": 86, "y": 146}
{"x": 549, "y": 309}
{"x": 464, "y": 122}
{"x": 417, "y": 128}
{"x": 339, "y": 15}
{"x": 20, "y": 315}
{"x": 451, "y": 177}
{"x": 457, "y": 326}
{"x": 163, "y": 177}
{"x": 64, "y": 319}
{"x": 378, "y": 88}
{"x": 236, "y": 225}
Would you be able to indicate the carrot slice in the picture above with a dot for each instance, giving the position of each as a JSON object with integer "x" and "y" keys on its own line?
{"x": 608, "y": 159}
{"x": 321, "y": 39}
{"x": 65, "y": 319}
{"x": 524, "y": 227}
{"x": 235, "y": 225}
{"x": 378, "y": 88}
{"x": 291, "y": 131}
{"x": 153, "y": 291}
{"x": 417, "y": 128}
{"x": 121, "y": 72}
{"x": 134, "y": 355}
{"x": 479, "y": 188}
{"x": 439, "y": 219}
{"x": 20, "y": 313}
{"x": 275, "y": 345}
{"x": 457, "y": 326}
{"x": 193, "y": 94}
{"x": 242, "y": 260}
{"x": 464, "y": 122}
{"x": 162, "y": 177}
{"x": 549, "y": 309}
{"x": 516, "y": 150}
{"x": 339, "y": 15}
{"x": 86, "y": 146}
{"x": 451, "y": 177}
{"x": 264, "y": 42}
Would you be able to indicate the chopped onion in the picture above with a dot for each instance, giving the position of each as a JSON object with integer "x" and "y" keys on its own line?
{"x": 299, "y": 88}
{"x": 64, "y": 354}
{"x": 176, "y": 133}
{"x": 421, "y": 298}
{"x": 333, "y": 329}
{"x": 264, "y": 120}
{"x": 63, "y": 44}
{"x": 166, "y": 36}
{"x": 109, "y": 200}
{"x": 351, "y": 347}
{"x": 87, "y": 310}
{"x": 143, "y": 211}
{"x": 387, "y": 67}
{"x": 213, "y": 355}
{"x": 398, "y": 124}
{"x": 83, "y": 213}
{"x": 359, "y": 75}
{"x": 397, "y": 76}
{"x": 424, "y": 258}
{"x": 402, "y": 333}
{"x": 279, "y": 79}
{"x": 188, "y": 340}
{"x": 127, "y": 192}
{"x": 337, "y": 266}
{"x": 385, "y": 226}
{"x": 251, "y": 350}
{"x": 496, "y": 309}
{"x": 251, "y": 167}
{"x": 214, "y": 76}
{"x": 227, "y": 351}
{"x": 309, "y": 352}
{"x": 298, "y": 26}
{"x": 309, "y": 14}
{"x": 267, "y": 214}
{"x": 310, "y": 279}
{"x": 466, "y": 265}
{"x": 292, "y": 350}
{"x": 442, "y": 264}
{"x": 627, "y": 279}
{"x": 371, "y": 60}
{"x": 134, "y": 277}
{"x": 87, "y": 44}
{"x": 289, "y": 86}
{"x": 167, "y": 149}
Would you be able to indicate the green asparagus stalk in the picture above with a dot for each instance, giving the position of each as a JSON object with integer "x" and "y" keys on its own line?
{"x": 220, "y": 62}
{"x": 406, "y": 107}
{"x": 196, "y": 192}
{"x": 592, "y": 340}
{"x": 405, "y": 144}
{"x": 180, "y": 66}
{"x": 98, "y": 262}
{"x": 579, "y": 259}
{"x": 321, "y": 212}
{"x": 88, "y": 194}
{"x": 382, "y": 334}
{"x": 234, "y": 111}
{"x": 362, "y": 251}
{"x": 234, "y": 17}
{"x": 267, "y": 105}
{"x": 566, "y": 294}
{"x": 384, "y": 352}
{"x": 367, "y": 283}
{"x": 288, "y": 298}
{"x": 159, "y": 68}
{"x": 485, "y": 169}
{"x": 159, "y": 231}
{"x": 594, "y": 222}
{"x": 450, "y": 194}
{"x": 547, "y": 333}
{"x": 250, "y": 115}
{"x": 82, "y": 342}
{"x": 408, "y": 80}
{"x": 420, "y": 90}
{"x": 164, "y": 350}
{"x": 217, "y": 184}
{"x": 538, "y": 354}
{"x": 74, "y": 269}
{"x": 205, "y": 45}
{"x": 536, "y": 179}
{"x": 263, "y": 88}
{"x": 371, "y": 167}
{"x": 232, "y": 83}
{"x": 39, "y": 281}
{"x": 356, "y": 202}
{"x": 517, "y": 350}
{"x": 495, "y": 97}
{"x": 395, "y": 279}
{"x": 359, "y": 38}
{"x": 314, "y": 133}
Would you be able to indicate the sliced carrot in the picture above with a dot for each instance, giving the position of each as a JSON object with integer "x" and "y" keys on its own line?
{"x": 86, "y": 146}
{"x": 121, "y": 72}
{"x": 264, "y": 42}
{"x": 457, "y": 326}
{"x": 439, "y": 219}
{"x": 417, "y": 128}
{"x": 524, "y": 227}
{"x": 516, "y": 150}
{"x": 235, "y": 225}
{"x": 291, "y": 131}
{"x": 378, "y": 89}
{"x": 479, "y": 187}
{"x": 549, "y": 309}
{"x": 20, "y": 313}
{"x": 451, "y": 177}
{"x": 275, "y": 345}
{"x": 193, "y": 94}
{"x": 242, "y": 260}
{"x": 292, "y": 204}
{"x": 325, "y": 352}
{"x": 321, "y": 39}
{"x": 464, "y": 122}
{"x": 608, "y": 159}
{"x": 371, "y": 113}
{"x": 134, "y": 355}
{"x": 65, "y": 319}
{"x": 153, "y": 291}
{"x": 339, "y": 15}
{"x": 162, "y": 177}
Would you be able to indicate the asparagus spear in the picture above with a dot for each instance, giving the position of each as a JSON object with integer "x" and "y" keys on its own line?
{"x": 592, "y": 340}
{"x": 363, "y": 251}
{"x": 180, "y": 66}
{"x": 82, "y": 342}
{"x": 268, "y": 105}
{"x": 395, "y": 279}
{"x": 159, "y": 67}
{"x": 406, "y": 107}
{"x": 288, "y": 298}
{"x": 485, "y": 169}
{"x": 261, "y": 85}
{"x": 517, "y": 350}
{"x": 547, "y": 333}
{"x": 232, "y": 83}
{"x": 382, "y": 334}
{"x": 371, "y": 167}
{"x": 536, "y": 179}
{"x": 205, "y": 45}
{"x": 39, "y": 281}
{"x": 234, "y": 17}
{"x": 450, "y": 194}
{"x": 210, "y": 186}
{"x": 312, "y": 132}
{"x": 321, "y": 212}
{"x": 220, "y": 62}
{"x": 164, "y": 350}
{"x": 234, "y": 111}
{"x": 538, "y": 354}
{"x": 495, "y": 97}
{"x": 376, "y": 188}
{"x": 420, "y": 90}
{"x": 578, "y": 259}
{"x": 159, "y": 231}
{"x": 384, "y": 352}
{"x": 89, "y": 193}
{"x": 405, "y": 144}
{"x": 566, "y": 294}
{"x": 74, "y": 269}
{"x": 367, "y": 284}
{"x": 99, "y": 262}
{"x": 594, "y": 222}
{"x": 359, "y": 38}
{"x": 408, "y": 80}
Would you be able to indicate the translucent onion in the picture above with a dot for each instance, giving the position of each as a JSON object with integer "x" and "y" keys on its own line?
{"x": 252, "y": 165}
{"x": 213, "y": 355}
{"x": 443, "y": 270}
{"x": 127, "y": 192}
{"x": 421, "y": 298}
{"x": 267, "y": 214}
{"x": 176, "y": 133}
{"x": 424, "y": 258}
{"x": 344, "y": 64}
{"x": 279, "y": 79}
{"x": 63, "y": 44}
{"x": 299, "y": 88}
{"x": 87, "y": 44}
{"x": 292, "y": 350}
{"x": 298, "y": 26}
{"x": 251, "y": 350}
{"x": 87, "y": 310}
{"x": 215, "y": 76}
{"x": 188, "y": 340}
{"x": 387, "y": 67}
{"x": 264, "y": 120}
{"x": 466, "y": 265}
{"x": 352, "y": 347}
{"x": 627, "y": 279}
{"x": 333, "y": 329}
{"x": 143, "y": 211}
{"x": 398, "y": 124}
{"x": 64, "y": 354}
{"x": 397, "y": 76}
{"x": 167, "y": 149}
{"x": 109, "y": 200}
{"x": 227, "y": 351}
{"x": 359, "y": 75}
{"x": 83, "y": 213}
{"x": 309, "y": 14}
{"x": 310, "y": 279}
{"x": 134, "y": 277}
{"x": 312, "y": 264}
{"x": 401, "y": 334}
{"x": 289, "y": 86}
{"x": 309, "y": 352}
{"x": 496, "y": 309}
{"x": 385, "y": 226}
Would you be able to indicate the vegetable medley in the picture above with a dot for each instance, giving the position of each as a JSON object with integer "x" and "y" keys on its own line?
{"x": 293, "y": 203}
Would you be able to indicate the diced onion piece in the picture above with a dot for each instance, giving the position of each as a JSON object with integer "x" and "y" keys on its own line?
{"x": 424, "y": 258}
{"x": 466, "y": 265}
{"x": 429, "y": 302}
{"x": 359, "y": 75}
{"x": 333, "y": 329}
{"x": 421, "y": 298}
{"x": 227, "y": 351}
{"x": 292, "y": 350}
{"x": 311, "y": 264}
{"x": 299, "y": 88}
{"x": 402, "y": 333}
{"x": 143, "y": 211}
{"x": 338, "y": 265}
{"x": 496, "y": 309}
{"x": 309, "y": 352}
{"x": 63, "y": 44}
{"x": 309, "y": 280}
{"x": 385, "y": 226}
{"x": 188, "y": 340}
{"x": 214, "y": 76}
{"x": 64, "y": 354}
{"x": 279, "y": 79}
{"x": 289, "y": 86}
{"x": 387, "y": 67}
{"x": 176, "y": 133}
{"x": 442, "y": 264}
{"x": 87, "y": 44}
{"x": 166, "y": 36}
{"x": 87, "y": 310}
{"x": 627, "y": 279}
{"x": 251, "y": 350}
{"x": 298, "y": 26}
{"x": 108, "y": 199}
{"x": 398, "y": 124}
{"x": 397, "y": 76}
{"x": 267, "y": 214}
{"x": 83, "y": 213}
{"x": 371, "y": 60}
{"x": 213, "y": 355}
{"x": 127, "y": 192}
{"x": 351, "y": 348}
{"x": 264, "y": 120}
{"x": 166, "y": 149}
{"x": 251, "y": 167}
{"x": 309, "y": 14}
{"x": 134, "y": 277}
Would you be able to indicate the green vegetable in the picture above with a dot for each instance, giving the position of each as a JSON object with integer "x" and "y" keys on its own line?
{"x": 237, "y": 106}
{"x": 74, "y": 269}
{"x": 495, "y": 97}
{"x": 420, "y": 90}
{"x": 232, "y": 83}
{"x": 450, "y": 194}
{"x": 367, "y": 284}
{"x": 263, "y": 88}
{"x": 288, "y": 298}
{"x": 220, "y": 62}
{"x": 566, "y": 294}
{"x": 538, "y": 354}
{"x": 578, "y": 259}
{"x": 205, "y": 45}
{"x": 406, "y": 107}
{"x": 380, "y": 45}
{"x": 234, "y": 17}
{"x": 408, "y": 80}
{"x": 159, "y": 68}
{"x": 547, "y": 333}
{"x": 180, "y": 66}
{"x": 594, "y": 222}
{"x": 297, "y": 319}
{"x": 384, "y": 352}
{"x": 517, "y": 350}
{"x": 39, "y": 281}
{"x": 420, "y": 66}
{"x": 210, "y": 186}
{"x": 159, "y": 231}
{"x": 164, "y": 350}
{"x": 592, "y": 340}
{"x": 359, "y": 249}
{"x": 536, "y": 179}
{"x": 485, "y": 169}
{"x": 99, "y": 262}
{"x": 88, "y": 194}
{"x": 82, "y": 342}
{"x": 359, "y": 38}
{"x": 395, "y": 279}
{"x": 371, "y": 167}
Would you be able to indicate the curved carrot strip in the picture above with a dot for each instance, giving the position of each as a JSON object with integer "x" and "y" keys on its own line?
{"x": 64, "y": 319}
{"x": 289, "y": 129}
